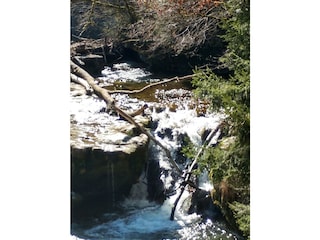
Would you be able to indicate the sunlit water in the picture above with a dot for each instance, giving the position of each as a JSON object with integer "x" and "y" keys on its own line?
{"x": 151, "y": 221}
{"x": 136, "y": 217}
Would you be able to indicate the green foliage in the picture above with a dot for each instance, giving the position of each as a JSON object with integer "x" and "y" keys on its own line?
{"x": 231, "y": 95}
{"x": 237, "y": 27}
{"x": 189, "y": 150}
{"x": 242, "y": 216}
{"x": 230, "y": 159}
{"x": 231, "y": 162}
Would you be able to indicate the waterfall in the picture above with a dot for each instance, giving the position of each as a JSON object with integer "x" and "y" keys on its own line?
{"x": 145, "y": 214}
{"x": 174, "y": 127}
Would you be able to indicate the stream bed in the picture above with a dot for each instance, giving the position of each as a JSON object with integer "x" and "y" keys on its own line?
{"x": 136, "y": 217}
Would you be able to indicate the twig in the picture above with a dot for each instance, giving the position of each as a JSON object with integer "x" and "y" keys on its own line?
{"x": 187, "y": 174}
{"x": 187, "y": 77}
{"x": 90, "y": 20}
{"x": 79, "y": 38}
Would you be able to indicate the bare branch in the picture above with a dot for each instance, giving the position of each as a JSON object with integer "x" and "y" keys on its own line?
{"x": 187, "y": 77}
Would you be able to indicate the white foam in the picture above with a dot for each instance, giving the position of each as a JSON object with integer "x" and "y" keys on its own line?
{"x": 124, "y": 72}
{"x": 186, "y": 121}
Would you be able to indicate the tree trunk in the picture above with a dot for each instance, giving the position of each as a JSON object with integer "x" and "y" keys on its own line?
{"x": 101, "y": 92}
{"x": 82, "y": 82}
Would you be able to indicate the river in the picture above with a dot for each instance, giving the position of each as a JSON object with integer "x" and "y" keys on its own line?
{"x": 136, "y": 217}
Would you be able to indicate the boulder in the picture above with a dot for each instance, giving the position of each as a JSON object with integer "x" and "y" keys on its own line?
{"x": 108, "y": 171}
{"x": 201, "y": 203}
{"x": 106, "y": 159}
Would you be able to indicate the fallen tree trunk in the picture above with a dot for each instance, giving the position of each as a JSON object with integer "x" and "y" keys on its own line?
{"x": 187, "y": 77}
{"x": 86, "y": 46}
{"x": 145, "y": 131}
{"x": 82, "y": 82}
{"x": 103, "y": 93}
{"x": 187, "y": 174}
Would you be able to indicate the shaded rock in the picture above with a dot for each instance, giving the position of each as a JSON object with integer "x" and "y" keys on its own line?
{"x": 167, "y": 132}
{"x": 109, "y": 170}
{"x": 201, "y": 203}
{"x": 156, "y": 189}
{"x": 76, "y": 199}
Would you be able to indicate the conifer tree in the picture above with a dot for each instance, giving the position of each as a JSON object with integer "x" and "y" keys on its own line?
{"x": 231, "y": 96}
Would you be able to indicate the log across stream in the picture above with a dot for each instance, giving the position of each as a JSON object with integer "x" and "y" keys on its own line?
{"x": 138, "y": 216}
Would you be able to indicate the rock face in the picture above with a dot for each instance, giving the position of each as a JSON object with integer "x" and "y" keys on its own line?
{"x": 108, "y": 171}
{"x": 108, "y": 154}
{"x": 202, "y": 203}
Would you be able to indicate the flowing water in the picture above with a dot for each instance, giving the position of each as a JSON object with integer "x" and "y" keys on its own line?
{"x": 136, "y": 217}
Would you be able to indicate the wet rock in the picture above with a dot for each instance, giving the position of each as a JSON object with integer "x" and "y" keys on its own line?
{"x": 167, "y": 132}
{"x": 201, "y": 203}
{"x": 76, "y": 199}
{"x": 107, "y": 170}
{"x": 107, "y": 154}
{"x": 156, "y": 190}
{"x": 158, "y": 108}
{"x": 173, "y": 93}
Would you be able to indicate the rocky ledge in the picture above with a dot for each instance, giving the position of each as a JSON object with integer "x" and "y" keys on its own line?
{"x": 108, "y": 154}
